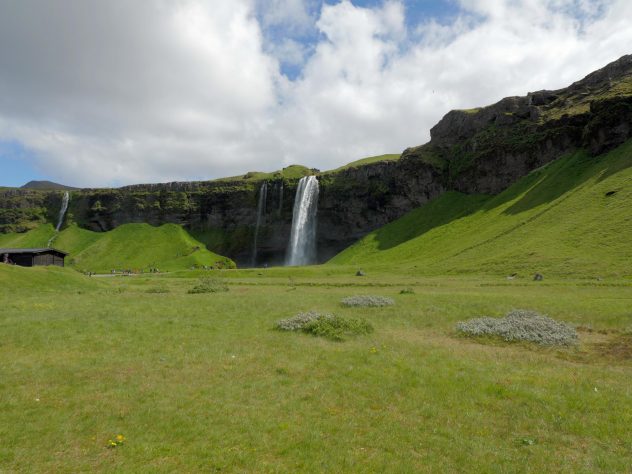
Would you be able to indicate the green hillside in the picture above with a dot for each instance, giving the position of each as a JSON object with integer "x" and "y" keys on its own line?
{"x": 130, "y": 246}
{"x": 42, "y": 279}
{"x": 37, "y": 237}
{"x": 572, "y": 217}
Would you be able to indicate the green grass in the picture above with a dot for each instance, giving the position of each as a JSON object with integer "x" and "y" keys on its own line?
{"x": 41, "y": 279}
{"x": 129, "y": 246}
{"x": 367, "y": 161}
{"x": 289, "y": 172}
{"x": 570, "y": 218}
{"x": 471, "y": 111}
{"x": 203, "y": 383}
{"x": 34, "y": 238}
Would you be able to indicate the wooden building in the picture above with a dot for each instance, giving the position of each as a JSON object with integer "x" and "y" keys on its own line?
{"x": 32, "y": 257}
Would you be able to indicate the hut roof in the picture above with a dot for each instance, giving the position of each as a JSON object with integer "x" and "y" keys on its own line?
{"x": 38, "y": 250}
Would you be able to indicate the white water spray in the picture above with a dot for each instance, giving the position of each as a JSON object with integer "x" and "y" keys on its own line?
{"x": 62, "y": 214}
{"x": 302, "y": 249}
{"x": 261, "y": 209}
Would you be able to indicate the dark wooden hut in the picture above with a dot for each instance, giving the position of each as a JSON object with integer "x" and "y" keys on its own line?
{"x": 32, "y": 257}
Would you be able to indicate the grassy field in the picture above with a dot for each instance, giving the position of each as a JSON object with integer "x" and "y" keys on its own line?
{"x": 570, "y": 218}
{"x": 202, "y": 383}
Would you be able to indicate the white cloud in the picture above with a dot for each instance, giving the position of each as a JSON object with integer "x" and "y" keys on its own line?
{"x": 120, "y": 92}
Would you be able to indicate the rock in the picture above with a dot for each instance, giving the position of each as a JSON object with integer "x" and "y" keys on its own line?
{"x": 538, "y": 277}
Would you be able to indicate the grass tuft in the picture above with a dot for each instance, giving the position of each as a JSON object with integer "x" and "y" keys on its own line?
{"x": 209, "y": 285}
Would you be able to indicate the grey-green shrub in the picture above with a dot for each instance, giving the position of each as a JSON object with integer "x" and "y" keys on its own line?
{"x": 367, "y": 301}
{"x": 209, "y": 285}
{"x": 521, "y": 325}
{"x": 329, "y": 326}
{"x": 298, "y": 322}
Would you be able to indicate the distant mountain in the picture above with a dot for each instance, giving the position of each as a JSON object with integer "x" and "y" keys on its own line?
{"x": 47, "y": 185}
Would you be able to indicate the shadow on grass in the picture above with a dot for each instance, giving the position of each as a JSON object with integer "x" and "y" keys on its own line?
{"x": 441, "y": 211}
{"x": 548, "y": 186}
{"x": 564, "y": 176}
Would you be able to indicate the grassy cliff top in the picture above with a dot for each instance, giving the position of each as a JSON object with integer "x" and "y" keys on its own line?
{"x": 289, "y": 172}
{"x": 367, "y": 161}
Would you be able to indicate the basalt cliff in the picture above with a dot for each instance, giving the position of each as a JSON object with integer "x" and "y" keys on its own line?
{"x": 472, "y": 151}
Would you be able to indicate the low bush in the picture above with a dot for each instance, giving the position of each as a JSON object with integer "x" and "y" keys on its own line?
{"x": 367, "y": 301}
{"x": 157, "y": 290}
{"x": 298, "y": 322}
{"x": 338, "y": 328}
{"x": 209, "y": 285}
{"x": 521, "y": 325}
{"x": 407, "y": 291}
{"x": 329, "y": 326}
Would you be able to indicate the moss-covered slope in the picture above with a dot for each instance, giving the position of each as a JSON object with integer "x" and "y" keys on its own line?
{"x": 572, "y": 217}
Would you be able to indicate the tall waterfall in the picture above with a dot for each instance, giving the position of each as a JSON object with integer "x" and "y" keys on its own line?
{"x": 261, "y": 209}
{"x": 62, "y": 214}
{"x": 302, "y": 249}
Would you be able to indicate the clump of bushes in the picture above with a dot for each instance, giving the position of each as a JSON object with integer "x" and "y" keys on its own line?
{"x": 329, "y": 326}
{"x": 299, "y": 321}
{"x": 522, "y": 325}
{"x": 209, "y": 285}
{"x": 367, "y": 301}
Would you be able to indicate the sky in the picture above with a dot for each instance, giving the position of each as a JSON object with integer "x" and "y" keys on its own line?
{"x": 96, "y": 93}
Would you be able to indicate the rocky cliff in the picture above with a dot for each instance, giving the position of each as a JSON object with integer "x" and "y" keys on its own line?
{"x": 473, "y": 151}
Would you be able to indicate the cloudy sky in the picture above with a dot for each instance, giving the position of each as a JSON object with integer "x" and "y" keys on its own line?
{"x": 106, "y": 93}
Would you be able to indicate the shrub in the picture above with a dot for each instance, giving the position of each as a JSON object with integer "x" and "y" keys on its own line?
{"x": 325, "y": 325}
{"x": 209, "y": 285}
{"x": 407, "y": 291}
{"x": 299, "y": 321}
{"x": 338, "y": 328}
{"x": 367, "y": 301}
{"x": 521, "y": 325}
{"x": 157, "y": 290}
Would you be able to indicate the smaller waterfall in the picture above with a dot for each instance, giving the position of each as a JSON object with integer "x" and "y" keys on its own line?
{"x": 62, "y": 211}
{"x": 302, "y": 248}
{"x": 62, "y": 214}
{"x": 281, "y": 199}
{"x": 261, "y": 210}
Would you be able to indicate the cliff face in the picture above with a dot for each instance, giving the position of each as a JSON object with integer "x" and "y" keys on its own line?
{"x": 487, "y": 149}
{"x": 475, "y": 151}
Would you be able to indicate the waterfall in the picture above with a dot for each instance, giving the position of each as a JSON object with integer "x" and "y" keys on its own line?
{"x": 302, "y": 249}
{"x": 281, "y": 200}
{"x": 60, "y": 220}
{"x": 261, "y": 210}
{"x": 62, "y": 211}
